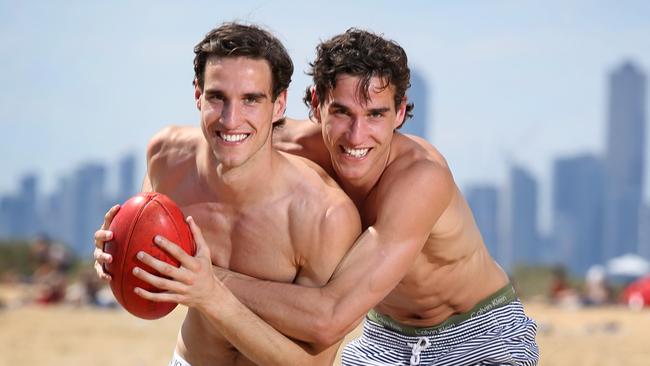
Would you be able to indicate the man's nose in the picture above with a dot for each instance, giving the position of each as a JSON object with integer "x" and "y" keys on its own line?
{"x": 230, "y": 115}
{"x": 356, "y": 133}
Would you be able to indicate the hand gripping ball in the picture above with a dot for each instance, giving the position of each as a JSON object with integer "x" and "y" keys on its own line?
{"x": 134, "y": 228}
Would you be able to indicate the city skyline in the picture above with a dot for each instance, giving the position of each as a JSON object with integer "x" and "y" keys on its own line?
{"x": 597, "y": 210}
{"x": 495, "y": 92}
{"x": 513, "y": 81}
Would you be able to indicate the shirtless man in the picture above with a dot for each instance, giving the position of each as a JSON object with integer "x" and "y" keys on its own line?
{"x": 435, "y": 294}
{"x": 264, "y": 213}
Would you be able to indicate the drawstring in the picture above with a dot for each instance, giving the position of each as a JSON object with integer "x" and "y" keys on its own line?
{"x": 418, "y": 347}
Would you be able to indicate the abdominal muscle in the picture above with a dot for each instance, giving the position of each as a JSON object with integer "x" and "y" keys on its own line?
{"x": 201, "y": 344}
{"x": 430, "y": 293}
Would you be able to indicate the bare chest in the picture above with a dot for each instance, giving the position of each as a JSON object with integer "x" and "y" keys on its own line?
{"x": 255, "y": 242}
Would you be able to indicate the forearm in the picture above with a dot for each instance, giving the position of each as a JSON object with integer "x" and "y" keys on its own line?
{"x": 324, "y": 315}
{"x": 253, "y": 337}
{"x": 292, "y": 309}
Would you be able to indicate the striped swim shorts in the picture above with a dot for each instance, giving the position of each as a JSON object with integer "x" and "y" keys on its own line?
{"x": 495, "y": 332}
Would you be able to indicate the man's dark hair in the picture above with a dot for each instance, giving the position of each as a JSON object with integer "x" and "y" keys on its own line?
{"x": 362, "y": 54}
{"x": 239, "y": 40}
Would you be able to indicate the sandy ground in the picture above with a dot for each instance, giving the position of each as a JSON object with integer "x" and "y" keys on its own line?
{"x": 67, "y": 335}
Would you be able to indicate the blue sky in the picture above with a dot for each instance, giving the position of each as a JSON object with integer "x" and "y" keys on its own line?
{"x": 511, "y": 81}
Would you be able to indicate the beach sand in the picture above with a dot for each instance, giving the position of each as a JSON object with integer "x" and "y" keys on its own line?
{"x": 67, "y": 335}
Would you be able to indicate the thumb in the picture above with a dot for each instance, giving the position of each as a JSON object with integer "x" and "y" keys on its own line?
{"x": 201, "y": 246}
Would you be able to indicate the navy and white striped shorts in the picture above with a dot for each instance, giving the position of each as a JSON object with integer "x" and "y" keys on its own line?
{"x": 502, "y": 336}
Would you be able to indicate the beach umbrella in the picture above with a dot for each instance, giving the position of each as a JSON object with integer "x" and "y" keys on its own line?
{"x": 637, "y": 294}
{"x": 629, "y": 265}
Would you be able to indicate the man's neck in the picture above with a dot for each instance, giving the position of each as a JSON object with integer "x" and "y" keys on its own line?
{"x": 251, "y": 182}
{"x": 359, "y": 189}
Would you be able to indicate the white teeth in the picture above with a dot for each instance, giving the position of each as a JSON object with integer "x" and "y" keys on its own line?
{"x": 357, "y": 153}
{"x": 233, "y": 137}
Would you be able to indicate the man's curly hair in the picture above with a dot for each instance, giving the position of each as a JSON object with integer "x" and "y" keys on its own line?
{"x": 362, "y": 54}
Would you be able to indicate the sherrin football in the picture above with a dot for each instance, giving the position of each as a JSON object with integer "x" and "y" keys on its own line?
{"x": 134, "y": 228}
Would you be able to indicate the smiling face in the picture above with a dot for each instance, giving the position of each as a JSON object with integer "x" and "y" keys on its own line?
{"x": 237, "y": 109}
{"x": 358, "y": 133}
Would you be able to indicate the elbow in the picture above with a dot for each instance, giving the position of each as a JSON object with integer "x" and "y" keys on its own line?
{"x": 328, "y": 330}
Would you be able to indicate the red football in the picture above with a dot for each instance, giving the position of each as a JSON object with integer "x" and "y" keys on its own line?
{"x": 134, "y": 227}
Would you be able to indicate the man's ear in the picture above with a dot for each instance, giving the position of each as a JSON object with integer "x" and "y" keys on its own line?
{"x": 197, "y": 94}
{"x": 280, "y": 105}
{"x": 401, "y": 113}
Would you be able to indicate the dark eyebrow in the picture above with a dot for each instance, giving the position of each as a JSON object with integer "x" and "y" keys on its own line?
{"x": 335, "y": 105}
{"x": 214, "y": 93}
{"x": 256, "y": 96}
{"x": 378, "y": 110}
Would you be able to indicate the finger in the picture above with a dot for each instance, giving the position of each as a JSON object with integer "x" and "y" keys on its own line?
{"x": 108, "y": 218}
{"x": 163, "y": 268}
{"x": 100, "y": 272}
{"x": 201, "y": 246}
{"x": 175, "y": 251}
{"x": 157, "y": 297}
{"x": 102, "y": 236}
{"x": 102, "y": 257}
{"x": 157, "y": 281}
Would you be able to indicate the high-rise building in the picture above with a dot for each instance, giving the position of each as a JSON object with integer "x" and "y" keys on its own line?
{"x": 28, "y": 224}
{"x": 523, "y": 236}
{"x": 484, "y": 202}
{"x": 58, "y": 212}
{"x": 418, "y": 94}
{"x": 8, "y": 217}
{"x": 578, "y": 190}
{"x": 624, "y": 161}
{"x": 18, "y": 212}
{"x": 89, "y": 206}
{"x": 644, "y": 232}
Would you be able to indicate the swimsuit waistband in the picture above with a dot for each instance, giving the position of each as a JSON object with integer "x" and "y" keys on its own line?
{"x": 501, "y": 297}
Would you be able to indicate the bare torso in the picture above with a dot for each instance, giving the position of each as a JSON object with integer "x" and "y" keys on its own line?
{"x": 453, "y": 271}
{"x": 264, "y": 238}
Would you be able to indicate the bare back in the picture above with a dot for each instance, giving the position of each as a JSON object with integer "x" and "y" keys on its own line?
{"x": 274, "y": 238}
{"x": 451, "y": 254}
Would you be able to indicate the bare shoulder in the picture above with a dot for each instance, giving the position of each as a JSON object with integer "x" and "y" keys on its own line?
{"x": 324, "y": 222}
{"x": 303, "y": 138}
{"x": 172, "y": 149}
{"x": 319, "y": 206}
{"x": 309, "y": 182}
{"x": 173, "y": 144}
{"x": 415, "y": 160}
{"x": 417, "y": 175}
{"x": 294, "y": 131}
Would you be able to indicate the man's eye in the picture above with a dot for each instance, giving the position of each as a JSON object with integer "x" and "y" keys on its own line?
{"x": 250, "y": 100}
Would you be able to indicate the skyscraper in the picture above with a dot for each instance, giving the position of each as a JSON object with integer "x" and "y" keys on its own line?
{"x": 578, "y": 187}
{"x": 28, "y": 224}
{"x": 418, "y": 94}
{"x": 8, "y": 218}
{"x": 624, "y": 161}
{"x": 89, "y": 205}
{"x": 644, "y": 232}
{"x": 523, "y": 237}
{"x": 483, "y": 200}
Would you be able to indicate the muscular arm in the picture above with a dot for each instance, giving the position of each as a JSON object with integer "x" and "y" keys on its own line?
{"x": 253, "y": 337}
{"x": 410, "y": 205}
{"x": 195, "y": 286}
{"x": 259, "y": 341}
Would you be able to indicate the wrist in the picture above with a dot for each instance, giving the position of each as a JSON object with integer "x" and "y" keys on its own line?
{"x": 224, "y": 304}
{"x": 222, "y": 274}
